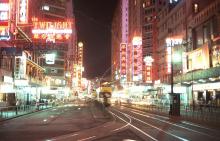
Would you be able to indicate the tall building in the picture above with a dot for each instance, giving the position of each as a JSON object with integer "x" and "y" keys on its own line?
{"x": 60, "y": 46}
{"x": 120, "y": 42}
{"x": 188, "y": 46}
{"x": 150, "y": 42}
{"x": 135, "y": 56}
{"x": 41, "y": 47}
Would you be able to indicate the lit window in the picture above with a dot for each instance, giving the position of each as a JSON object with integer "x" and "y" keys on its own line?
{"x": 46, "y": 8}
{"x": 196, "y": 8}
{"x": 143, "y": 5}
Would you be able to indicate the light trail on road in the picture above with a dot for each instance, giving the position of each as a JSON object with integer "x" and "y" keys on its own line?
{"x": 174, "y": 124}
{"x": 129, "y": 123}
{"x": 180, "y": 138}
{"x": 137, "y": 114}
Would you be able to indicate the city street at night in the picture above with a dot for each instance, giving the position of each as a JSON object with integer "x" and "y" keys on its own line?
{"x": 89, "y": 121}
{"x": 109, "y": 70}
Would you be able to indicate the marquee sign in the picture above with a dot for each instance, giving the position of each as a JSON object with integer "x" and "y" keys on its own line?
{"x": 51, "y": 31}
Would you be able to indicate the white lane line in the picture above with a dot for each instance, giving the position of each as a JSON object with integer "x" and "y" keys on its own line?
{"x": 137, "y": 129}
{"x": 196, "y": 125}
{"x": 180, "y": 138}
{"x": 184, "y": 122}
{"x": 122, "y": 120}
{"x": 174, "y": 124}
{"x": 87, "y": 138}
{"x": 62, "y": 137}
{"x": 164, "y": 117}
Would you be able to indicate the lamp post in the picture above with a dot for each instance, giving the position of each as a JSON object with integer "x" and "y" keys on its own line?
{"x": 175, "y": 97}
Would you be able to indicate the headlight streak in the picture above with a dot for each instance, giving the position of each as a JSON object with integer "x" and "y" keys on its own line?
{"x": 174, "y": 124}
{"x": 135, "y": 127}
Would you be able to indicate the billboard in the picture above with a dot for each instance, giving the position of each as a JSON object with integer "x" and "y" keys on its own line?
{"x": 199, "y": 58}
{"x": 51, "y": 30}
{"x": 22, "y": 14}
{"x": 4, "y": 18}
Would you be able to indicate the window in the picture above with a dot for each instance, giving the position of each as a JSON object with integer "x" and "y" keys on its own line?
{"x": 196, "y": 8}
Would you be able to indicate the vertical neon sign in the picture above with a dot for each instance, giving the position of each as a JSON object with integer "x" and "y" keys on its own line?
{"x": 137, "y": 58}
{"x": 123, "y": 59}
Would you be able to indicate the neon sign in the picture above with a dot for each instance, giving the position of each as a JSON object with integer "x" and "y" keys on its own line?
{"x": 22, "y": 11}
{"x": 137, "y": 63}
{"x": 123, "y": 58}
{"x": 51, "y": 31}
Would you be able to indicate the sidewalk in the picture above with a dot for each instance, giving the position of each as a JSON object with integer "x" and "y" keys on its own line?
{"x": 202, "y": 116}
{"x": 16, "y": 111}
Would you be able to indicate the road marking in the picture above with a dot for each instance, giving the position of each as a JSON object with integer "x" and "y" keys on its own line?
{"x": 183, "y": 139}
{"x": 196, "y": 125}
{"x": 174, "y": 124}
{"x": 122, "y": 120}
{"x": 62, "y": 137}
{"x": 138, "y": 129}
{"x": 87, "y": 138}
{"x": 149, "y": 113}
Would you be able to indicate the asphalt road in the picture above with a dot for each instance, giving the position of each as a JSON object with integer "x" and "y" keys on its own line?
{"x": 89, "y": 121}
{"x": 52, "y": 123}
{"x": 156, "y": 127}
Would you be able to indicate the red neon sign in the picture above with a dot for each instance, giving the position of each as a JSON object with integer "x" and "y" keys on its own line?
{"x": 123, "y": 58}
{"x": 51, "y": 31}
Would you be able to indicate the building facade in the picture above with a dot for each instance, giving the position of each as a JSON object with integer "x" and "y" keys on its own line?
{"x": 41, "y": 61}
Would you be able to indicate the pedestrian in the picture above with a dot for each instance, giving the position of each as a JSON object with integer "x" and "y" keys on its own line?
{"x": 17, "y": 106}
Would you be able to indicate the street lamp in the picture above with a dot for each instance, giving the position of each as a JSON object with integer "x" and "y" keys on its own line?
{"x": 80, "y": 44}
{"x": 175, "y": 98}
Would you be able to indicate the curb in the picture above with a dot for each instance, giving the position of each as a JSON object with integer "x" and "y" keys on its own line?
{"x": 17, "y": 116}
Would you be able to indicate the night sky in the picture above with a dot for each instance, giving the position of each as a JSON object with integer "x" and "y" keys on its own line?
{"x": 93, "y": 23}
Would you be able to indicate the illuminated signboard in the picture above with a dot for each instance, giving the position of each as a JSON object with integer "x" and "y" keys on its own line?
{"x": 123, "y": 59}
{"x": 4, "y": 17}
{"x": 173, "y": 1}
{"x": 50, "y": 58}
{"x": 171, "y": 42}
{"x": 20, "y": 66}
{"x": 199, "y": 58}
{"x": 148, "y": 68}
{"x": 51, "y": 31}
{"x": 137, "y": 63}
{"x": 22, "y": 12}
{"x": 148, "y": 74}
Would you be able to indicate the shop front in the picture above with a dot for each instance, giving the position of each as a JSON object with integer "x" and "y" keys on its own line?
{"x": 7, "y": 92}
